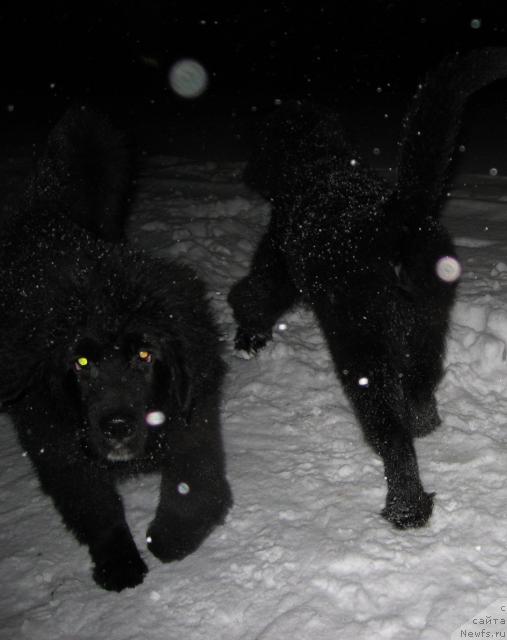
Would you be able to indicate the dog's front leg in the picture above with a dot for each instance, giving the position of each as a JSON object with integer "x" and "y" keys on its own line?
{"x": 90, "y": 506}
{"x": 192, "y": 503}
{"x": 194, "y": 492}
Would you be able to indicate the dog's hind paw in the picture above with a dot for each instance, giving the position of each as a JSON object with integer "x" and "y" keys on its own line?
{"x": 244, "y": 355}
{"x": 406, "y": 512}
{"x": 247, "y": 343}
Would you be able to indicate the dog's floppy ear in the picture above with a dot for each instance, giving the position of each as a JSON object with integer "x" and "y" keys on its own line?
{"x": 181, "y": 387}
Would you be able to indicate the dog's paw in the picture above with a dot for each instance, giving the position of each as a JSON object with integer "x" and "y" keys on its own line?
{"x": 120, "y": 571}
{"x": 175, "y": 535}
{"x": 178, "y": 539}
{"x": 118, "y": 564}
{"x": 247, "y": 343}
{"x": 406, "y": 512}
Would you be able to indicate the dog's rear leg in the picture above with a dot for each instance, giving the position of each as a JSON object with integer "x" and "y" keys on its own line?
{"x": 261, "y": 297}
{"x": 422, "y": 412}
{"x": 421, "y": 376}
{"x": 374, "y": 389}
{"x": 378, "y": 403}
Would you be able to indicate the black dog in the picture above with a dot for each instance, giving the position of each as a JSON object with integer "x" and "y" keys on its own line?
{"x": 111, "y": 363}
{"x": 372, "y": 261}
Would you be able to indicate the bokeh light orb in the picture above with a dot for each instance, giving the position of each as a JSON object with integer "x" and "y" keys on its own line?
{"x": 188, "y": 78}
{"x": 183, "y": 488}
{"x": 448, "y": 269}
{"x": 155, "y": 418}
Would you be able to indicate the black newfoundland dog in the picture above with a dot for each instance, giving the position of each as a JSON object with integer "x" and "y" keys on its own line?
{"x": 372, "y": 261}
{"x": 110, "y": 358}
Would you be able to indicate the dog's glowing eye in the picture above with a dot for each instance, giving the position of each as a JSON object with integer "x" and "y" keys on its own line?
{"x": 80, "y": 363}
{"x": 145, "y": 356}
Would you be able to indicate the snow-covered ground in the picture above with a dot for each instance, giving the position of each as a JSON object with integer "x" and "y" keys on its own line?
{"x": 304, "y": 554}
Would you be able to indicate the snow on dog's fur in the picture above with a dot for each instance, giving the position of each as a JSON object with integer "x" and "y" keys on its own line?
{"x": 366, "y": 258}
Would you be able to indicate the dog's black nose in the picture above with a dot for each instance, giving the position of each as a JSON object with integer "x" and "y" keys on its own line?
{"x": 117, "y": 427}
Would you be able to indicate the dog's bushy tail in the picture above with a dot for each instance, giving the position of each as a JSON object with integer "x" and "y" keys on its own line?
{"x": 431, "y": 128}
{"x": 85, "y": 174}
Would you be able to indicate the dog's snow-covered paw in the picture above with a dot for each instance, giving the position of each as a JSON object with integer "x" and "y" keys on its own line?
{"x": 406, "y": 512}
{"x": 243, "y": 354}
{"x": 248, "y": 343}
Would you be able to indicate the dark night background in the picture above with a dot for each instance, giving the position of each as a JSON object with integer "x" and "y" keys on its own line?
{"x": 365, "y": 58}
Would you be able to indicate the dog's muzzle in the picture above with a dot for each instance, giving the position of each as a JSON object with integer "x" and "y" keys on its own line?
{"x": 119, "y": 433}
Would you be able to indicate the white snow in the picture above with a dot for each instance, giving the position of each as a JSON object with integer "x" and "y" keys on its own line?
{"x": 304, "y": 553}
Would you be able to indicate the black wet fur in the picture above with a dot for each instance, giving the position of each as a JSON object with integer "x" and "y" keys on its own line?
{"x": 151, "y": 344}
{"x": 363, "y": 255}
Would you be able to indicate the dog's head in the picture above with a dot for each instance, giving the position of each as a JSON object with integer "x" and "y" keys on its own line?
{"x": 128, "y": 391}
{"x": 117, "y": 360}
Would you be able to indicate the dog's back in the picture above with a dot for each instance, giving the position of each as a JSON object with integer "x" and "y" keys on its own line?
{"x": 301, "y": 143}
{"x": 73, "y": 204}
{"x": 291, "y": 142}
{"x": 84, "y": 173}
